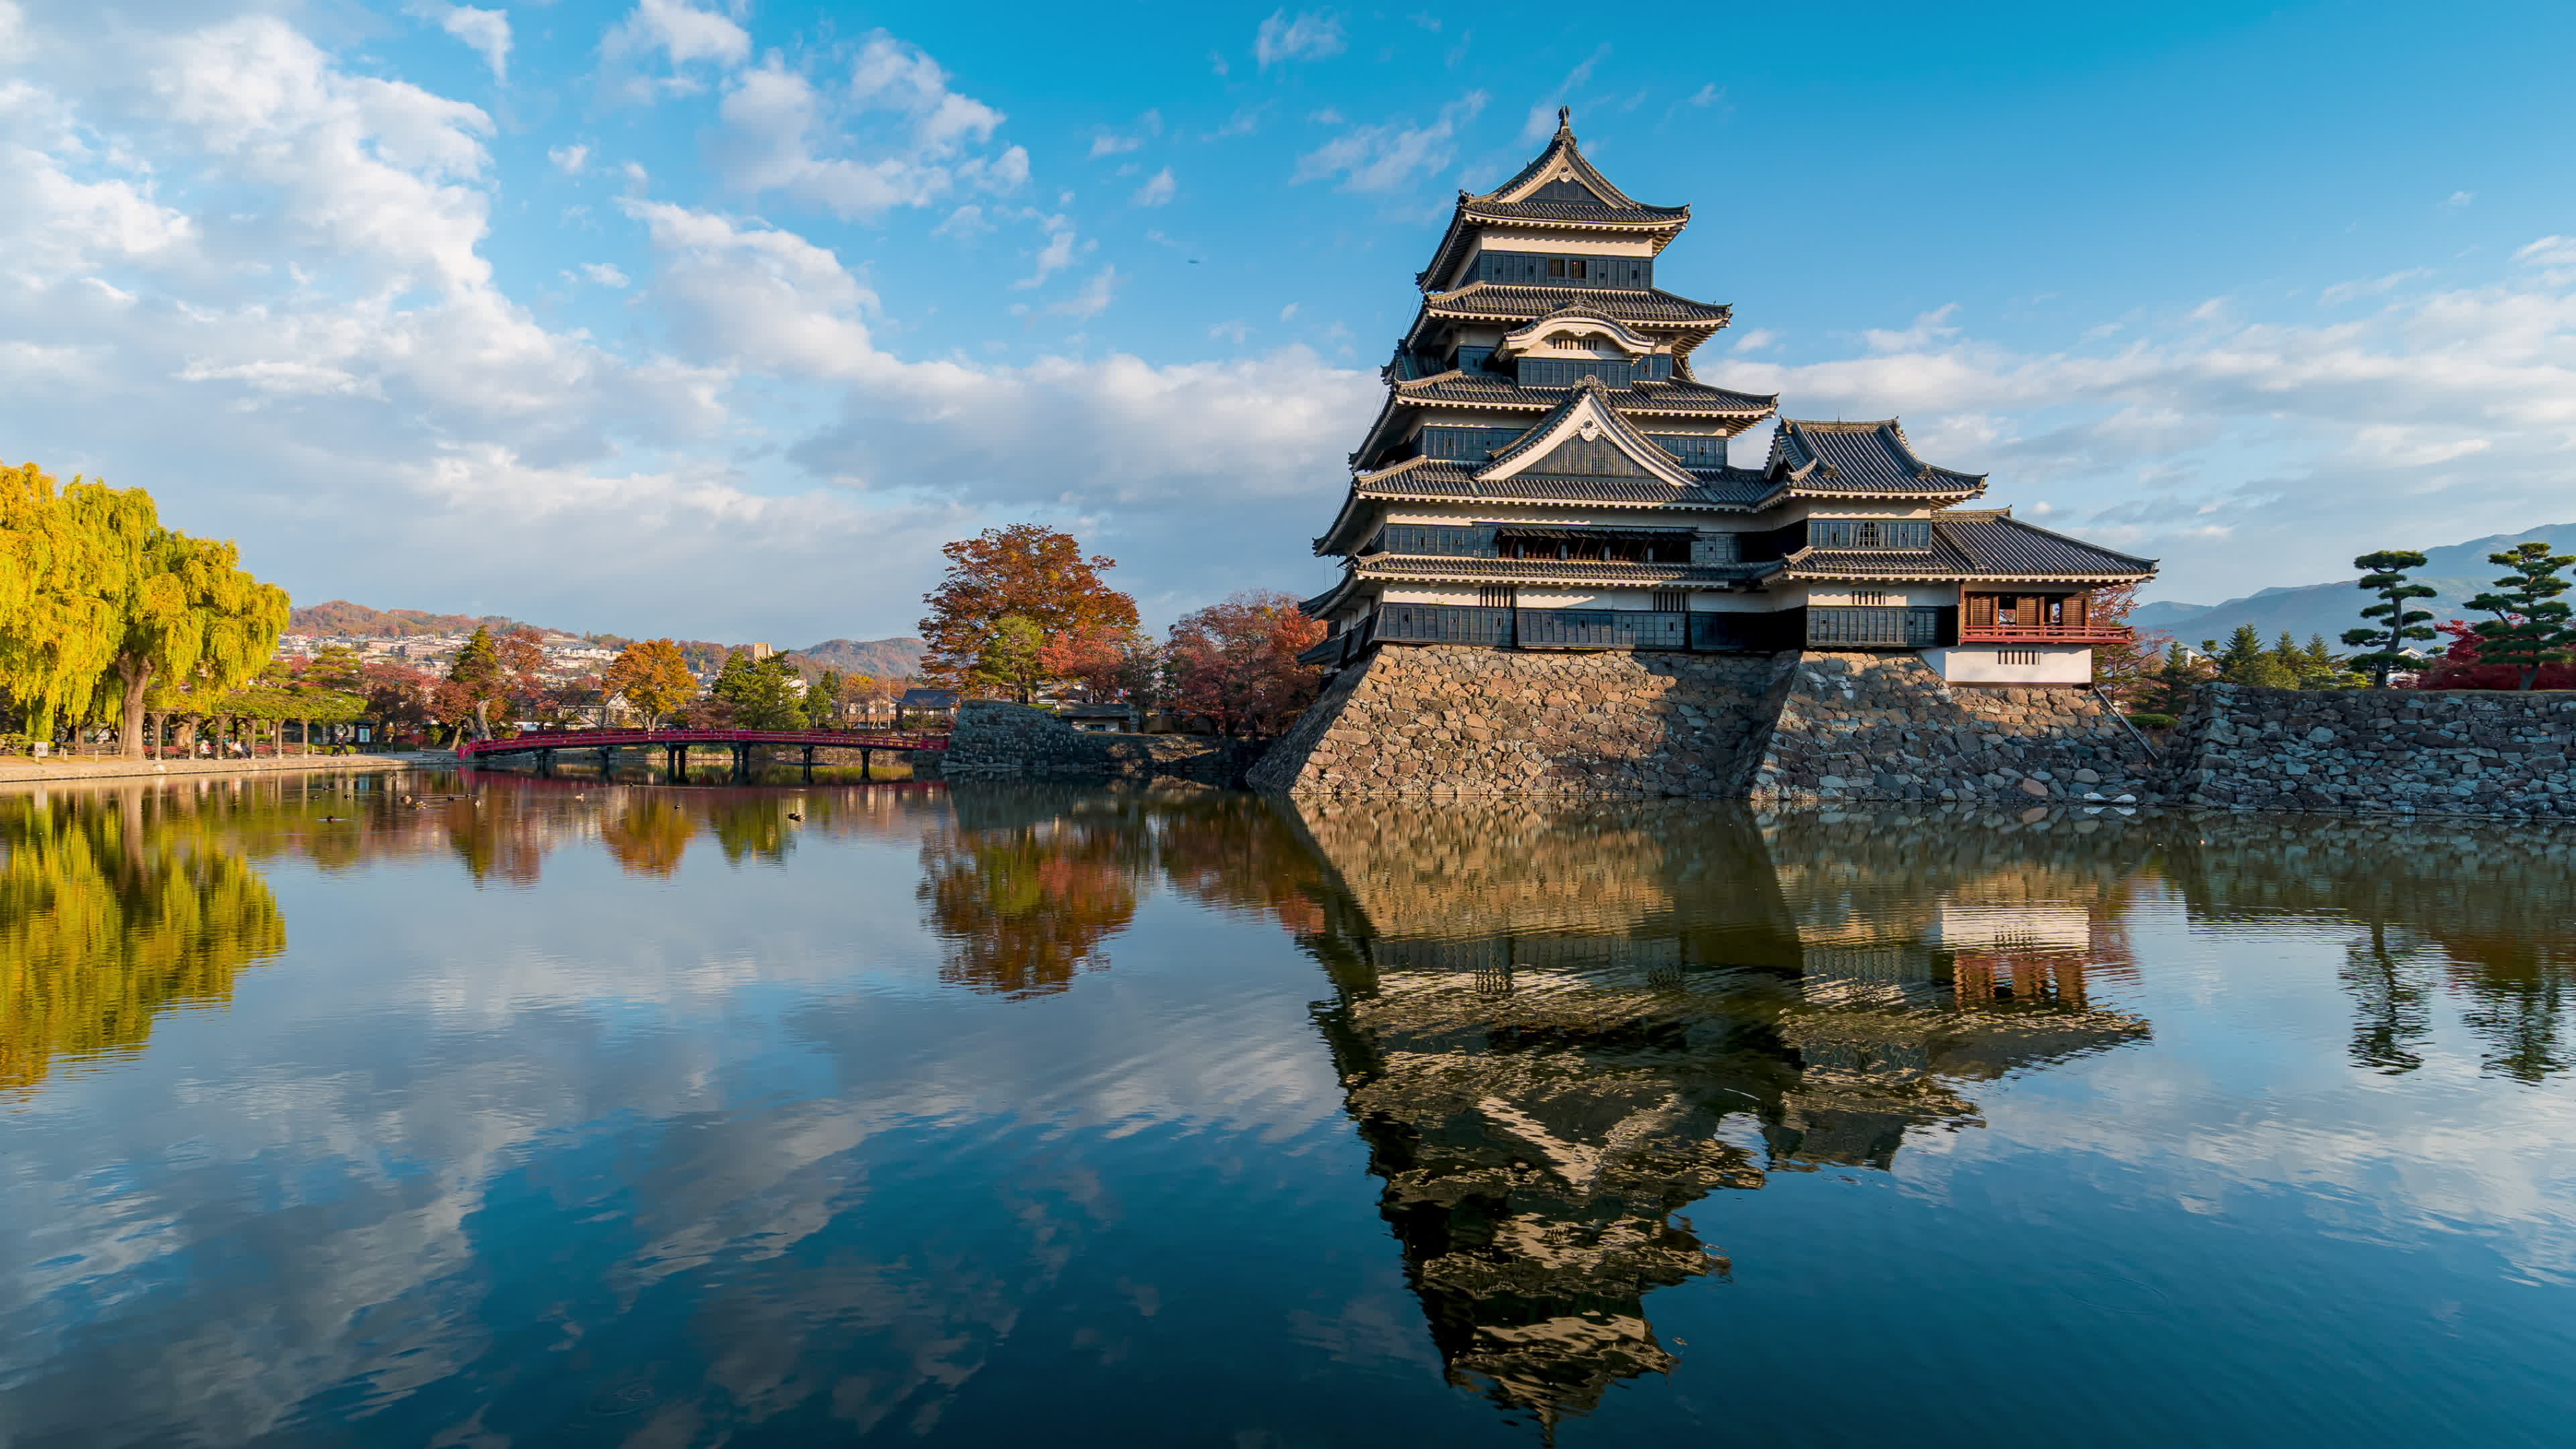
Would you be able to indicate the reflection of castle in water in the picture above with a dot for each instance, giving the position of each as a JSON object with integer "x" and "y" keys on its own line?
{"x": 1550, "y": 1022}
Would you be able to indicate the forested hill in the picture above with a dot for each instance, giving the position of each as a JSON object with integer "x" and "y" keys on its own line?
{"x": 882, "y": 658}
{"x": 357, "y": 620}
{"x": 2459, "y": 570}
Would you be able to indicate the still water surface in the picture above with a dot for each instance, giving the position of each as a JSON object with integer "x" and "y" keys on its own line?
{"x": 561, "y": 1113}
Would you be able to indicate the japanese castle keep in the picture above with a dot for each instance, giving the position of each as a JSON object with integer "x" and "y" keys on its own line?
{"x": 1556, "y": 576}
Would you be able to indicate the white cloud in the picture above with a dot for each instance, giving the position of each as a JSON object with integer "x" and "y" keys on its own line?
{"x": 2245, "y": 450}
{"x": 486, "y": 32}
{"x": 894, "y": 76}
{"x": 682, "y": 34}
{"x": 2458, "y": 199}
{"x": 569, "y": 159}
{"x": 1307, "y": 37}
{"x": 1388, "y": 157}
{"x": 777, "y": 127}
{"x": 1158, "y": 189}
{"x": 1708, "y": 95}
{"x": 2342, "y": 292}
{"x": 378, "y": 170}
{"x": 605, "y": 274}
{"x": 1093, "y": 299}
{"x": 1288, "y": 312}
{"x": 1112, "y": 143}
{"x": 1055, "y": 256}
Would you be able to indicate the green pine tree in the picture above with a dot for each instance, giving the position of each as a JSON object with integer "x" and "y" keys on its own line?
{"x": 2385, "y": 576}
{"x": 2531, "y": 626}
{"x": 2244, "y": 660}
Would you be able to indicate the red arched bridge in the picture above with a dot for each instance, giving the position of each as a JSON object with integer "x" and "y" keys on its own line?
{"x": 676, "y": 744}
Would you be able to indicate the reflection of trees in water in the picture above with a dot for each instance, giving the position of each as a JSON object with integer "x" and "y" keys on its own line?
{"x": 646, "y": 833}
{"x": 1032, "y": 881}
{"x": 1544, "y": 1015}
{"x": 1027, "y": 885}
{"x": 110, "y": 914}
{"x": 2477, "y": 910}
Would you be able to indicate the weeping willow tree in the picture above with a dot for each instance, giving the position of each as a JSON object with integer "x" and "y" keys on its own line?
{"x": 101, "y": 606}
{"x": 107, "y": 922}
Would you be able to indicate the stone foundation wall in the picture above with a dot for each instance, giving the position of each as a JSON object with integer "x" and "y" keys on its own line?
{"x": 2395, "y": 751}
{"x": 1884, "y": 727}
{"x": 998, "y": 741}
{"x": 1418, "y": 719}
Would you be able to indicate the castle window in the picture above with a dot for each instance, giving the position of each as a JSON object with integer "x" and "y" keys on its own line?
{"x": 1672, "y": 601}
{"x": 2017, "y": 656}
{"x": 1908, "y": 533}
{"x": 1495, "y": 596}
{"x": 1871, "y": 601}
{"x": 1566, "y": 267}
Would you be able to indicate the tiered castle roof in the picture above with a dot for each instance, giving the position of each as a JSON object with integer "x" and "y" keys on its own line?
{"x": 1546, "y": 368}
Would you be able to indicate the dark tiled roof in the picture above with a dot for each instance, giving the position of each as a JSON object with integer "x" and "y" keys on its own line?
{"x": 1729, "y": 488}
{"x": 1996, "y": 543}
{"x": 1681, "y": 395}
{"x": 1575, "y": 211}
{"x": 929, "y": 699}
{"x": 1563, "y": 150}
{"x": 1427, "y": 566}
{"x": 1504, "y": 302}
{"x": 1859, "y": 458}
{"x": 1976, "y": 545}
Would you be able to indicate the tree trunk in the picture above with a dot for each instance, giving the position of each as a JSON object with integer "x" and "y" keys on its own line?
{"x": 137, "y": 674}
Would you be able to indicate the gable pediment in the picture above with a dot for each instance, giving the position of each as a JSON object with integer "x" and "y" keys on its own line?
{"x": 1586, "y": 438}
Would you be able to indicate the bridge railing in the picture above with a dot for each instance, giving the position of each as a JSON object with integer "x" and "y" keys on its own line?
{"x": 620, "y": 739}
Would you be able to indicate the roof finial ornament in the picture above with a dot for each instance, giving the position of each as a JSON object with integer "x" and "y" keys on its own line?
{"x": 1565, "y": 118}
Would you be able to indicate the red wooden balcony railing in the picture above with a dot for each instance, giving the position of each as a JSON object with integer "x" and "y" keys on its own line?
{"x": 2043, "y": 634}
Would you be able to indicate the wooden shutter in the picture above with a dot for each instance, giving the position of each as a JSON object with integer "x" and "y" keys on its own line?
{"x": 1981, "y": 611}
{"x": 2075, "y": 610}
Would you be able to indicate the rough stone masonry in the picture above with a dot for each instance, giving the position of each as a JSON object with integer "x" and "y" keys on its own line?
{"x": 1790, "y": 729}
{"x": 1802, "y": 730}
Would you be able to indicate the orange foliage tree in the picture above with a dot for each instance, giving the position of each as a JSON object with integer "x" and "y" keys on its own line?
{"x": 1235, "y": 665}
{"x": 1029, "y": 570}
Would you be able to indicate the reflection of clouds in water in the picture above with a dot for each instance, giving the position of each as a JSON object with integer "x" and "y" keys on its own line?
{"x": 352, "y": 1140}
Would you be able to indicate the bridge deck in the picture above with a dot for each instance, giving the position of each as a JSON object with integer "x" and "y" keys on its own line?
{"x": 629, "y": 739}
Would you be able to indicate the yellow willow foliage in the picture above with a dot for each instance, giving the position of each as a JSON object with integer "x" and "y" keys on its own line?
{"x": 105, "y": 925}
{"x": 95, "y": 594}
{"x": 68, "y": 562}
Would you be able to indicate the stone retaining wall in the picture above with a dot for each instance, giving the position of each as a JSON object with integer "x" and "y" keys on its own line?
{"x": 2395, "y": 751}
{"x": 1415, "y": 719}
{"x": 998, "y": 741}
{"x": 1885, "y": 727}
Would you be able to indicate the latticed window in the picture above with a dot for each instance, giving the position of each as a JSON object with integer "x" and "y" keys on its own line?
{"x": 1869, "y": 533}
{"x": 1671, "y": 601}
{"x": 1496, "y": 596}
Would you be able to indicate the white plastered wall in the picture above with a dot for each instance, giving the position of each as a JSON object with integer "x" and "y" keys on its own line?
{"x": 1986, "y": 663}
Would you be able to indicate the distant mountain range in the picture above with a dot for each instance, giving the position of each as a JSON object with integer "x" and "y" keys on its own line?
{"x": 897, "y": 658}
{"x": 2459, "y": 570}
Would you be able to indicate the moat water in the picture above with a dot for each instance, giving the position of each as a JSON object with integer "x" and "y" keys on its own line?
{"x": 531, "y": 1112}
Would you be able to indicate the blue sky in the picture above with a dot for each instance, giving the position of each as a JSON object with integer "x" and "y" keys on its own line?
{"x": 716, "y": 318}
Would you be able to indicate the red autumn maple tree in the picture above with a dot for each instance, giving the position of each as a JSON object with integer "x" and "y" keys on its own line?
{"x": 1029, "y": 570}
{"x": 1235, "y": 665}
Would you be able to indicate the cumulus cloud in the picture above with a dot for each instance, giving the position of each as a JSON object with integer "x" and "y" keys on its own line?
{"x": 1307, "y": 37}
{"x": 569, "y": 159}
{"x": 781, "y": 132}
{"x": 1158, "y": 189}
{"x": 486, "y": 32}
{"x": 2244, "y": 449}
{"x": 681, "y": 35}
{"x": 1388, "y": 156}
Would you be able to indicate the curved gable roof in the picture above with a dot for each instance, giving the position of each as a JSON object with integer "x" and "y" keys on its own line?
{"x": 1861, "y": 459}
